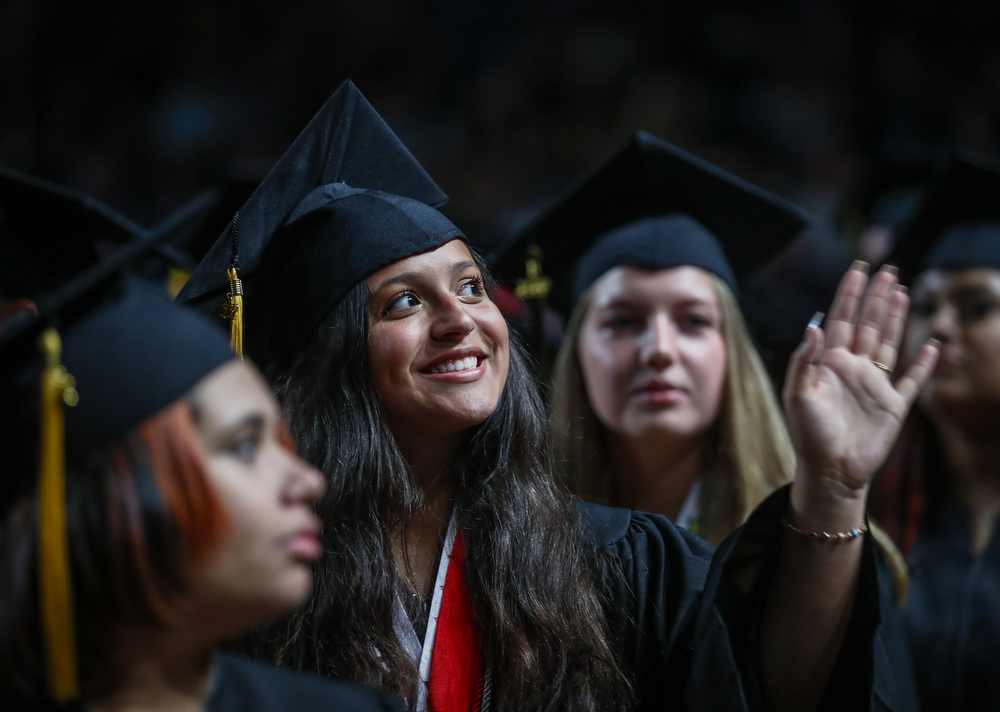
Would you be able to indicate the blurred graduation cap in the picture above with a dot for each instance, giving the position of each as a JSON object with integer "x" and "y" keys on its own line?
{"x": 890, "y": 186}
{"x": 957, "y": 223}
{"x": 346, "y": 199}
{"x": 228, "y": 192}
{"x": 49, "y": 233}
{"x": 652, "y": 205}
{"x": 115, "y": 351}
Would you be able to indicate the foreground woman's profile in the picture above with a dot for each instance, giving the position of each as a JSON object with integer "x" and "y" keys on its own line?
{"x": 456, "y": 572}
{"x": 186, "y": 517}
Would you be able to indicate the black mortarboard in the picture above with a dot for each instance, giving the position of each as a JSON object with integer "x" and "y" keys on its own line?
{"x": 345, "y": 200}
{"x": 654, "y": 205}
{"x": 49, "y": 233}
{"x": 890, "y": 185}
{"x": 957, "y": 224}
{"x": 118, "y": 351}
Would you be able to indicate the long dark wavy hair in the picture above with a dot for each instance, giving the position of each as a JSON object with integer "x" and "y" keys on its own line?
{"x": 541, "y": 617}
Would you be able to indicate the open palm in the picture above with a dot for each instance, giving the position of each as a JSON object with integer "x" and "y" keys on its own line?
{"x": 844, "y": 412}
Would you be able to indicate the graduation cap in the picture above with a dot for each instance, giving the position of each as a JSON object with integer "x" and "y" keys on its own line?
{"x": 957, "y": 224}
{"x": 346, "y": 199}
{"x": 49, "y": 233}
{"x": 652, "y": 205}
{"x": 890, "y": 186}
{"x": 105, "y": 353}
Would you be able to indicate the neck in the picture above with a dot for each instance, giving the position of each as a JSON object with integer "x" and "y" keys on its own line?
{"x": 973, "y": 456}
{"x": 155, "y": 671}
{"x": 429, "y": 458}
{"x": 655, "y": 473}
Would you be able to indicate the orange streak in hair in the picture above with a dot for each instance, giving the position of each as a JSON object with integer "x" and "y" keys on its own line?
{"x": 179, "y": 462}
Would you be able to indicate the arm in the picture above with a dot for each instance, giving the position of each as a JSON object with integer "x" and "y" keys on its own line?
{"x": 844, "y": 415}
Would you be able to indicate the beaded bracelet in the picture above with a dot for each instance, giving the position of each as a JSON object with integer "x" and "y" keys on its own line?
{"x": 826, "y": 536}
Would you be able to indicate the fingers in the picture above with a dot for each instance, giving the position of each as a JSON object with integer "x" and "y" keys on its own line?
{"x": 895, "y": 324}
{"x": 917, "y": 374}
{"x": 869, "y": 333}
{"x": 840, "y": 325}
{"x": 803, "y": 360}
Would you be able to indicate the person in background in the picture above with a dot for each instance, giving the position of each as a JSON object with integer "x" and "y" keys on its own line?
{"x": 939, "y": 495}
{"x": 158, "y": 512}
{"x": 659, "y": 400}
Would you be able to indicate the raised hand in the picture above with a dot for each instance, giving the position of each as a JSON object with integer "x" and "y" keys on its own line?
{"x": 844, "y": 411}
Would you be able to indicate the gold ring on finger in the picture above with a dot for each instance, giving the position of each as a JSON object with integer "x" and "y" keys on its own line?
{"x": 885, "y": 368}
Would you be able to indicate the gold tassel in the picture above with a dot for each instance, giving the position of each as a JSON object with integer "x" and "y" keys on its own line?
{"x": 57, "y": 388}
{"x": 232, "y": 310}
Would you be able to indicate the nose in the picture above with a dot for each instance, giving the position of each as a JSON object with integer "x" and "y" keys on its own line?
{"x": 659, "y": 347}
{"x": 304, "y": 484}
{"x": 451, "y": 321}
{"x": 944, "y": 323}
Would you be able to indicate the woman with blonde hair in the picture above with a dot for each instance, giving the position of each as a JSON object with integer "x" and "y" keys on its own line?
{"x": 660, "y": 401}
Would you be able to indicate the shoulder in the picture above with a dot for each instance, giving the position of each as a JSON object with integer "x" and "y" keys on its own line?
{"x": 246, "y": 685}
{"x": 613, "y": 527}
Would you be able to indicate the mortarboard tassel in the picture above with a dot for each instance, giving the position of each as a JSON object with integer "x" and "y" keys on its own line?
{"x": 57, "y": 388}
{"x": 232, "y": 310}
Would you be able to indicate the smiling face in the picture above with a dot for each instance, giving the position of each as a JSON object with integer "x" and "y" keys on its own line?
{"x": 961, "y": 309}
{"x": 438, "y": 346}
{"x": 652, "y": 352}
{"x": 261, "y": 569}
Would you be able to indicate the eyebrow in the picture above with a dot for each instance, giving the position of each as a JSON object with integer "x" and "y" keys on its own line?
{"x": 413, "y": 276}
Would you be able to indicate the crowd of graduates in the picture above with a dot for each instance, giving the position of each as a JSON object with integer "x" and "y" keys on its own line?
{"x": 676, "y": 442}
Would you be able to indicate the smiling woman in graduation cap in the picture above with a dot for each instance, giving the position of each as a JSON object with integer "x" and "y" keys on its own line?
{"x": 456, "y": 572}
{"x": 660, "y": 401}
{"x": 940, "y": 493}
{"x": 150, "y": 509}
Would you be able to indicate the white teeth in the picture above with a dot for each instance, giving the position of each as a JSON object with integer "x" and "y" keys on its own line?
{"x": 461, "y": 364}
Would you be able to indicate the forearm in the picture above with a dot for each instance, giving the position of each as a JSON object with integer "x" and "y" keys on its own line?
{"x": 811, "y": 602}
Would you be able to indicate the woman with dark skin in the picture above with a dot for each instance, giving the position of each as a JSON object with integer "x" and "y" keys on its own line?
{"x": 940, "y": 492}
{"x": 400, "y": 382}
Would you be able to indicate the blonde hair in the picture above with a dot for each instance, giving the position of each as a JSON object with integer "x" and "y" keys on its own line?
{"x": 750, "y": 454}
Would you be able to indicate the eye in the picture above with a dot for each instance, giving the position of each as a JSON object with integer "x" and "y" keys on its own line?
{"x": 973, "y": 309}
{"x": 472, "y": 288}
{"x": 401, "y": 302}
{"x": 245, "y": 449}
{"x": 617, "y": 322}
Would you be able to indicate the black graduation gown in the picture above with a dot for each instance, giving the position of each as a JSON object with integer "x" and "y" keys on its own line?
{"x": 953, "y": 615}
{"x": 687, "y": 619}
{"x": 243, "y": 685}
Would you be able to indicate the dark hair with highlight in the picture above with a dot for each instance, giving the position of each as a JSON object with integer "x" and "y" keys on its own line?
{"x": 531, "y": 578}
{"x": 139, "y": 511}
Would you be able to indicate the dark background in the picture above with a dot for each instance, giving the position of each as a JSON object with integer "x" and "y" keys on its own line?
{"x": 144, "y": 103}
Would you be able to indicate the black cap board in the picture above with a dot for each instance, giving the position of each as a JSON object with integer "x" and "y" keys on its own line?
{"x": 957, "y": 223}
{"x": 346, "y": 199}
{"x": 49, "y": 233}
{"x": 653, "y": 205}
{"x": 890, "y": 185}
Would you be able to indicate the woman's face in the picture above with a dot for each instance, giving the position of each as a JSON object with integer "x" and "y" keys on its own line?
{"x": 438, "y": 345}
{"x": 652, "y": 353}
{"x": 961, "y": 309}
{"x": 262, "y": 567}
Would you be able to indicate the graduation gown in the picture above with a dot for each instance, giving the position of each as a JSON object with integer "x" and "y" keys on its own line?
{"x": 242, "y": 685}
{"x": 953, "y": 615}
{"x": 686, "y": 619}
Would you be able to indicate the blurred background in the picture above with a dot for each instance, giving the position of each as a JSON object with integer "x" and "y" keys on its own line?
{"x": 144, "y": 104}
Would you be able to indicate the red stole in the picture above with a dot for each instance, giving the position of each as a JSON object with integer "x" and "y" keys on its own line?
{"x": 456, "y": 683}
